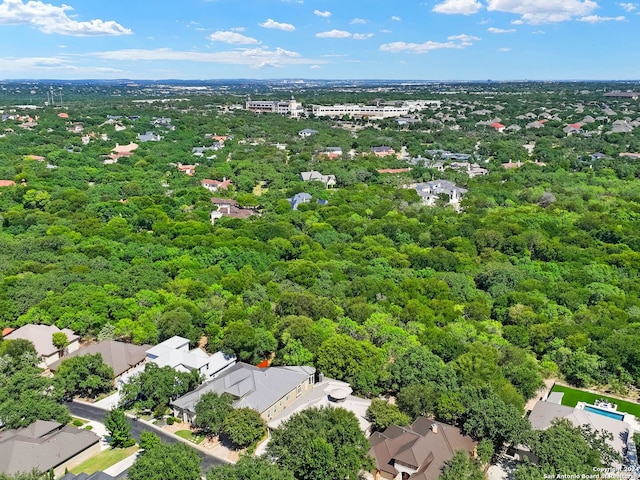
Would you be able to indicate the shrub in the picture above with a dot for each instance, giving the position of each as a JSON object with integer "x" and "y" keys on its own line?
{"x": 129, "y": 443}
{"x": 77, "y": 422}
{"x": 170, "y": 421}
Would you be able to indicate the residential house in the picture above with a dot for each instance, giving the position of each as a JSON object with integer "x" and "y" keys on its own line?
{"x": 597, "y": 417}
{"x": 124, "y": 150}
{"x": 122, "y": 357}
{"x": 332, "y": 152}
{"x": 633, "y": 156}
{"x": 573, "y": 128}
{"x": 149, "y": 137}
{"x": 307, "y": 132}
{"x": 201, "y": 151}
{"x": 215, "y": 185}
{"x": 187, "y": 169}
{"x": 621, "y": 126}
{"x": 86, "y": 476}
{"x": 471, "y": 169}
{"x": 298, "y": 199}
{"x": 7, "y": 183}
{"x": 174, "y": 352}
{"x": 45, "y": 446}
{"x": 228, "y": 207}
{"x": 382, "y": 151}
{"x": 314, "y": 176}
{"x": 266, "y": 390}
{"x": 429, "y": 192}
{"x": 417, "y": 452}
{"x": 498, "y": 126}
{"x": 76, "y": 128}
{"x": 42, "y": 338}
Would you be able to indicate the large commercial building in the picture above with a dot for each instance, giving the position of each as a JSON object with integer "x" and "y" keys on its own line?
{"x": 289, "y": 107}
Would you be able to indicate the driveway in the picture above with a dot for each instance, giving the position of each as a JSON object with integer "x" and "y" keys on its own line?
{"x": 91, "y": 412}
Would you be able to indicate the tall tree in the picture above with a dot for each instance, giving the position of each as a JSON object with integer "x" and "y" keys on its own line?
{"x": 86, "y": 376}
{"x": 318, "y": 444}
{"x": 211, "y": 411}
{"x": 118, "y": 427}
{"x": 176, "y": 461}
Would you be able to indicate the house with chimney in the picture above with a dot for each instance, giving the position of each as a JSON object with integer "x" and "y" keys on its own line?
{"x": 417, "y": 452}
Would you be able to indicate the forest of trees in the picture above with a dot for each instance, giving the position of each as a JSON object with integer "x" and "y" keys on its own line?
{"x": 451, "y": 312}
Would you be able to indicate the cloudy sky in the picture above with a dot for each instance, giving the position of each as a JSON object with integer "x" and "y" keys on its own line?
{"x": 332, "y": 39}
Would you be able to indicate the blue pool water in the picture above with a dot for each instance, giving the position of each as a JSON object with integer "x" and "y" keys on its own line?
{"x": 606, "y": 413}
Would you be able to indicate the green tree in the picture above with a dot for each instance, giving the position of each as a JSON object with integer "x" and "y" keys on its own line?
{"x": 318, "y": 444}
{"x": 86, "y": 376}
{"x": 250, "y": 468}
{"x": 461, "y": 467}
{"x": 148, "y": 440}
{"x": 60, "y": 341}
{"x": 381, "y": 414}
{"x": 153, "y": 388}
{"x": 211, "y": 411}
{"x": 354, "y": 361}
{"x": 118, "y": 427}
{"x": 243, "y": 426}
{"x": 176, "y": 461}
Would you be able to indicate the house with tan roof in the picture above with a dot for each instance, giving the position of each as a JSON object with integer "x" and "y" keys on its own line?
{"x": 121, "y": 357}
{"x": 417, "y": 452}
{"x": 42, "y": 338}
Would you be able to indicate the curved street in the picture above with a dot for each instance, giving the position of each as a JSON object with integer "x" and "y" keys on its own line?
{"x": 90, "y": 412}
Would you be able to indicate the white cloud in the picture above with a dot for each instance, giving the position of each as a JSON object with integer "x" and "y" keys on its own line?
{"x": 253, "y": 57}
{"x": 233, "y": 38}
{"x": 454, "y": 41}
{"x": 500, "y": 30}
{"x": 334, "y": 34}
{"x": 271, "y": 23}
{"x": 460, "y": 7}
{"x": 358, "y": 21}
{"x": 505, "y": 49}
{"x": 599, "y": 19}
{"x": 315, "y": 66}
{"x": 396, "y": 19}
{"x": 238, "y": 29}
{"x": 325, "y": 14}
{"x": 50, "y": 18}
{"x": 543, "y": 11}
{"x": 362, "y": 36}
{"x": 628, "y": 7}
{"x": 538, "y": 32}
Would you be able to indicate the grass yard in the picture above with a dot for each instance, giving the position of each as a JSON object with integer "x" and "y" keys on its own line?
{"x": 104, "y": 459}
{"x": 188, "y": 435}
{"x": 572, "y": 397}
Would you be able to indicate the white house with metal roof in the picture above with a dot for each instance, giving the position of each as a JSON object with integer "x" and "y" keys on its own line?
{"x": 174, "y": 352}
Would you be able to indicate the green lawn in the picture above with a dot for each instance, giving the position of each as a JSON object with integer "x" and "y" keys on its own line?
{"x": 572, "y": 396}
{"x": 188, "y": 435}
{"x": 104, "y": 459}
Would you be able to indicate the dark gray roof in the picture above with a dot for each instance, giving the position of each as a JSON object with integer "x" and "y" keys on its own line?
{"x": 42, "y": 446}
{"x": 252, "y": 387}
{"x": 85, "y": 476}
{"x": 118, "y": 355}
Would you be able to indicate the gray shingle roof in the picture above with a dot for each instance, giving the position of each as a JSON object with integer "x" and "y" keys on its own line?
{"x": 42, "y": 446}
{"x": 252, "y": 387}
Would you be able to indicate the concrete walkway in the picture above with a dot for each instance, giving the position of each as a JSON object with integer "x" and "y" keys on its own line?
{"x": 121, "y": 466}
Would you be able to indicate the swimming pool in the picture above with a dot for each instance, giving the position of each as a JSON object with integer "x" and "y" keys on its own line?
{"x": 606, "y": 413}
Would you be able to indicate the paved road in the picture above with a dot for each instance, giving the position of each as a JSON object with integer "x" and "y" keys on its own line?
{"x": 93, "y": 413}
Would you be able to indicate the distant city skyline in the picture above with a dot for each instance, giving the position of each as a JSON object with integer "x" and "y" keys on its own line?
{"x": 319, "y": 39}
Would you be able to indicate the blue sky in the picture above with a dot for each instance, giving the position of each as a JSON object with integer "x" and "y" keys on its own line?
{"x": 331, "y": 39}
